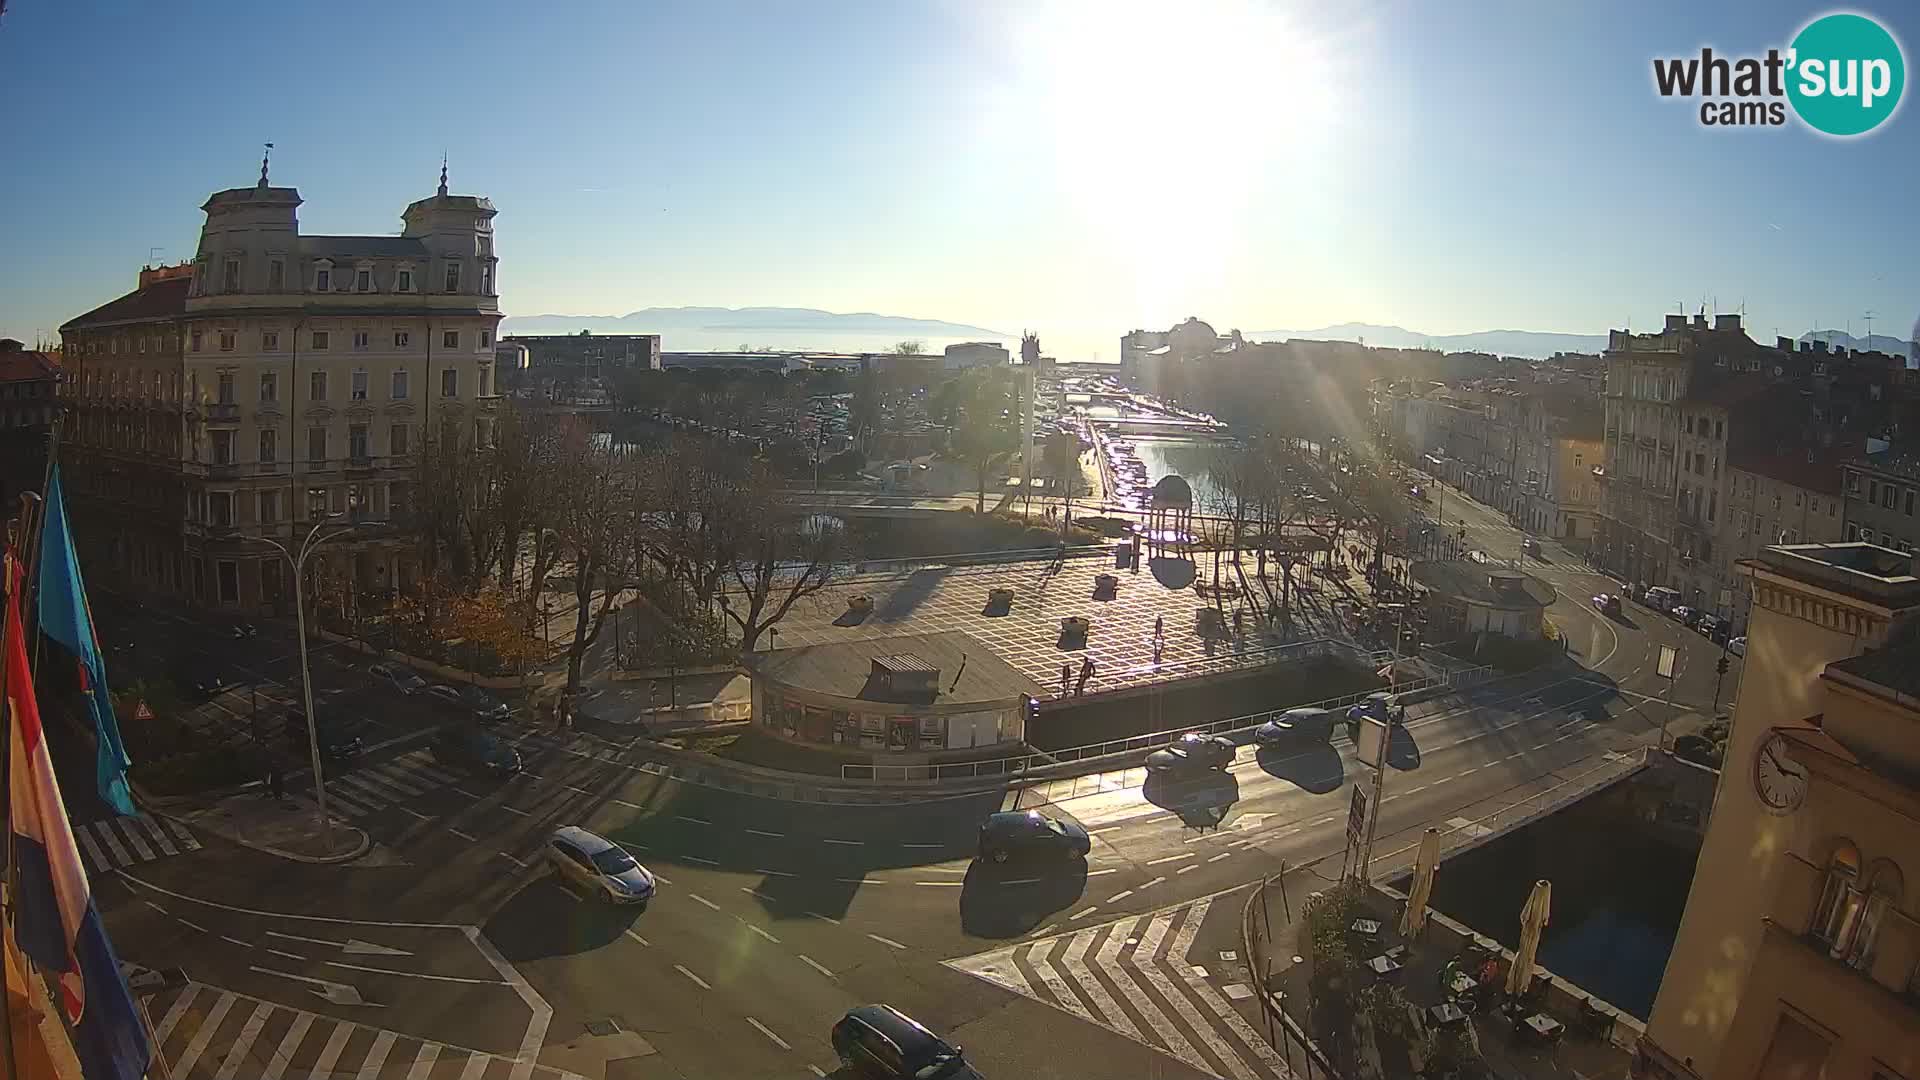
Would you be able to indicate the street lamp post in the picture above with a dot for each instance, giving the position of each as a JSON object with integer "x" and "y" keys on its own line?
{"x": 298, "y": 560}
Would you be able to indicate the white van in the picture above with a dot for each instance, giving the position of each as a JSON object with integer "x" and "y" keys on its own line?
{"x": 1661, "y": 598}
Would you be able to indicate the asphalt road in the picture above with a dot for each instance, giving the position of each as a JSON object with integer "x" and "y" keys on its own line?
{"x": 451, "y": 950}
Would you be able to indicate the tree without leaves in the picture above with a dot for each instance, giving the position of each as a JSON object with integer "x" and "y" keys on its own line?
{"x": 1061, "y": 453}
{"x": 592, "y": 521}
{"x": 791, "y": 556}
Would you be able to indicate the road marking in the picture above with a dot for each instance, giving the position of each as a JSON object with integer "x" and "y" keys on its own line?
{"x": 376, "y": 1058}
{"x": 1117, "y": 897}
{"x": 635, "y": 936}
{"x": 1084, "y": 912}
{"x": 283, "y": 1055}
{"x": 698, "y": 859}
{"x": 759, "y": 931}
{"x": 1108, "y": 829}
{"x": 191, "y": 925}
{"x": 695, "y": 820}
{"x": 238, "y": 1053}
{"x": 1152, "y": 883}
{"x": 815, "y": 965}
{"x": 1540, "y": 746}
{"x": 823, "y": 918}
{"x": 1184, "y": 869}
{"x": 815, "y": 1070}
{"x": 751, "y": 891}
{"x": 464, "y": 836}
{"x": 581, "y": 790}
{"x": 849, "y": 843}
{"x": 774, "y": 873}
{"x": 1222, "y": 855}
{"x": 763, "y": 832}
{"x": 198, "y": 1045}
{"x": 886, "y": 941}
{"x": 949, "y": 884}
{"x": 417, "y": 974}
{"x": 703, "y": 900}
{"x": 935, "y": 846}
{"x": 625, "y": 803}
{"x": 859, "y": 881}
{"x": 1108, "y": 870}
{"x": 423, "y": 1062}
{"x": 237, "y": 941}
{"x": 511, "y": 859}
{"x": 762, "y": 1029}
{"x": 1042, "y": 931}
{"x": 1015, "y": 881}
{"x": 155, "y": 906}
{"x": 1170, "y": 858}
{"x": 511, "y": 810}
{"x": 288, "y": 955}
{"x": 697, "y": 980}
{"x": 659, "y": 877}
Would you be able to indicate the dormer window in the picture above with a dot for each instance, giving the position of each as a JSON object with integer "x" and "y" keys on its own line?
{"x": 231, "y": 280}
{"x": 323, "y": 276}
{"x": 403, "y": 280}
{"x": 363, "y": 278}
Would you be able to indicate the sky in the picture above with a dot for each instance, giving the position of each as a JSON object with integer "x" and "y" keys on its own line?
{"x": 1080, "y": 169}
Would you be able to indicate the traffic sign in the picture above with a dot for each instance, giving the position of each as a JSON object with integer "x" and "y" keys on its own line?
{"x": 1357, "y": 816}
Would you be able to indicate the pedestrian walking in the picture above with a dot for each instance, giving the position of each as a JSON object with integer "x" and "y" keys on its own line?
{"x": 1066, "y": 677}
{"x": 1086, "y": 672}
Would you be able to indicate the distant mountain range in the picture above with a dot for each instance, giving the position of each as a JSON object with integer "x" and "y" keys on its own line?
{"x": 1529, "y": 343}
{"x": 1840, "y": 339}
{"x": 699, "y": 327}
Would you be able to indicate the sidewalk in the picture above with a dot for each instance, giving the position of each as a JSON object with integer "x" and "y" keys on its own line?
{"x": 284, "y": 827}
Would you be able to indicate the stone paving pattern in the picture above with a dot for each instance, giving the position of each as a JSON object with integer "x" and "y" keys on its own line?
{"x": 928, "y": 599}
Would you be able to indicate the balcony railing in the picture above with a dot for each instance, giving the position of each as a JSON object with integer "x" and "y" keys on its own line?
{"x": 223, "y": 412}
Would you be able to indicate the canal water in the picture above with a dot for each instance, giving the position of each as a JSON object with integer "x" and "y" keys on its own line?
{"x": 1186, "y": 457}
{"x": 1619, "y": 890}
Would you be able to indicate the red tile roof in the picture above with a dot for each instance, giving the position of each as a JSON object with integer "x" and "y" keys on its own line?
{"x": 26, "y": 365}
{"x": 160, "y": 300}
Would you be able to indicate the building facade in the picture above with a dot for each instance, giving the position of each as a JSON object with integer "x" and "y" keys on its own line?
{"x": 276, "y": 381}
{"x": 1881, "y": 492}
{"x": 1797, "y": 953}
{"x": 29, "y": 381}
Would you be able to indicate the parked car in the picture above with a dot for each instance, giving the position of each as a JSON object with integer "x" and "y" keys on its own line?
{"x": 1685, "y": 615}
{"x": 1015, "y": 832}
{"x": 1192, "y": 752}
{"x": 1294, "y": 724}
{"x": 1530, "y": 547}
{"x": 1738, "y": 646}
{"x": 1607, "y": 604}
{"x": 883, "y": 1043}
{"x": 1661, "y": 598}
{"x": 1379, "y": 704}
{"x": 1710, "y": 625}
{"x": 240, "y": 631}
{"x": 402, "y": 679}
{"x": 467, "y": 747}
{"x": 599, "y": 864}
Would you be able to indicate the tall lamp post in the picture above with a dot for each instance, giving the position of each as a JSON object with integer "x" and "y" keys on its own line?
{"x": 297, "y": 558}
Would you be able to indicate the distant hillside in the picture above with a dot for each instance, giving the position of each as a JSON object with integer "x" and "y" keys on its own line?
{"x": 704, "y": 328}
{"x": 1529, "y": 343}
{"x": 1886, "y": 343}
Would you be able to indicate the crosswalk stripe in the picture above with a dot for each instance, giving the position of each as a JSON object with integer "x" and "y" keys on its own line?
{"x": 94, "y": 855}
{"x": 1057, "y": 986}
{"x": 359, "y": 793}
{"x": 289, "y": 1045}
{"x": 1181, "y": 957}
{"x": 187, "y": 840}
{"x": 375, "y": 788}
{"x": 1075, "y": 961}
{"x": 159, "y": 835}
{"x": 198, "y": 1044}
{"x": 1108, "y": 958}
{"x": 132, "y": 835}
{"x": 423, "y": 1063}
{"x": 174, "y": 1013}
{"x": 1149, "y": 947}
{"x": 388, "y": 773}
{"x": 105, "y": 832}
{"x": 330, "y": 1053}
{"x": 376, "y": 1058}
{"x": 231, "y": 1066}
{"x": 476, "y": 1067}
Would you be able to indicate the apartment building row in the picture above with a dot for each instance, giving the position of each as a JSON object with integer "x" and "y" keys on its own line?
{"x": 1717, "y": 446}
{"x": 275, "y": 381}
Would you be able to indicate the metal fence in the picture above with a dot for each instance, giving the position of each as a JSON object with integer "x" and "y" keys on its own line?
{"x": 1043, "y": 764}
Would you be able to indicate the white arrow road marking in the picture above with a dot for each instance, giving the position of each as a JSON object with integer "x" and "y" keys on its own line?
{"x": 336, "y": 993}
{"x": 351, "y": 946}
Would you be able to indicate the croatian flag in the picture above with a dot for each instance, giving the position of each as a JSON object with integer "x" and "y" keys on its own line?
{"x": 55, "y": 922}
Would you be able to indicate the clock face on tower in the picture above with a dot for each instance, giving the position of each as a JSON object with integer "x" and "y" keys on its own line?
{"x": 1779, "y": 780}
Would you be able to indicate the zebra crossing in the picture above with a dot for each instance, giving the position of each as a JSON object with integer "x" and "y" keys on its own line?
{"x": 206, "y": 1033}
{"x": 366, "y": 789}
{"x": 129, "y": 841}
{"x": 1135, "y": 977}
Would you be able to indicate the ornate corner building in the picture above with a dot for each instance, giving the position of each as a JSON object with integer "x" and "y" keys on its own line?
{"x": 276, "y": 380}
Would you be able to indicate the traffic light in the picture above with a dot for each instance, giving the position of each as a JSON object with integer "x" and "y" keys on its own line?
{"x": 1032, "y": 711}
{"x": 1721, "y": 666}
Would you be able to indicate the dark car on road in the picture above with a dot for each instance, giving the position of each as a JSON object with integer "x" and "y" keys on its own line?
{"x": 1606, "y": 604}
{"x": 1315, "y": 725}
{"x": 340, "y": 743}
{"x": 1029, "y": 832}
{"x": 883, "y": 1043}
{"x": 482, "y": 705}
{"x": 468, "y": 748}
{"x": 200, "y": 680}
{"x": 1192, "y": 752}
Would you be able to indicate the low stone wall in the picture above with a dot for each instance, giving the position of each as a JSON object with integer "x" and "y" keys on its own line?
{"x": 444, "y": 671}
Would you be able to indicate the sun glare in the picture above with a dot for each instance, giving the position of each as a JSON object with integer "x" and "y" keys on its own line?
{"x": 1169, "y": 121}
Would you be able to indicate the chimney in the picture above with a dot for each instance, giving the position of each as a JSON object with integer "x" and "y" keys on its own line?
{"x": 1818, "y": 346}
{"x": 1700, "y": 321}
{"x": 1783, "y": 343}
{"x": 1676, "y": 322}
{"x": 1726, "y": 322}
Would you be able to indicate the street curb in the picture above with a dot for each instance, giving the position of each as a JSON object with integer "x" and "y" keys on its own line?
{"x": 361, "y": 847}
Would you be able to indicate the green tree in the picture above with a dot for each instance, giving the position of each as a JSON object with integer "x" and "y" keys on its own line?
{"x": 1061, "y": 453}
{"x": 979, "y": 408}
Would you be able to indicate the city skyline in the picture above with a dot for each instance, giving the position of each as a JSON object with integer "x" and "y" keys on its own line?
{"x": 996, "y": 165}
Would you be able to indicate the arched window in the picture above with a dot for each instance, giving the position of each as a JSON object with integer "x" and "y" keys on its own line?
{"x": 1884, "y": 890}
{"x": 1840, "y": 899}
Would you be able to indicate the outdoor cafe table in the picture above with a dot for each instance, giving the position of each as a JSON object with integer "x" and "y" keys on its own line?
{"x": 1544, "y": 1026}
{"x": 1384, "y": 965}
{"x": 1366, "y": 926}
{"x": 1461, "y": 984}
{"x": 1447, "y": 1013}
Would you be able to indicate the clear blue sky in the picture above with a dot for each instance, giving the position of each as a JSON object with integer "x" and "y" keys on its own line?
{"x": 1076, "y": 168}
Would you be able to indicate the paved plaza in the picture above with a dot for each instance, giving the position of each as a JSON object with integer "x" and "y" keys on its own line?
{"x": 933, "y": 598}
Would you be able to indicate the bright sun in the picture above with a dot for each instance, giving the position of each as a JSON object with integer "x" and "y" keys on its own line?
{"x": 1171, "y": 123}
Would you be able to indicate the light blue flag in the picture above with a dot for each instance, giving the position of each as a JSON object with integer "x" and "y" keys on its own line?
{"x": 65, "y": 617}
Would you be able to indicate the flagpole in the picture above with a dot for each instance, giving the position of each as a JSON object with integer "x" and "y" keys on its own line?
{"x": 23, "y": 530}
